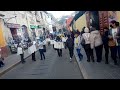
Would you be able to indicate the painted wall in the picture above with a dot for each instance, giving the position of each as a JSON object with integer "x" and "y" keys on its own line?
{"x": 118, "y": 16}
{"x": 2, "y": 39}
{"x": 81, "y": 22}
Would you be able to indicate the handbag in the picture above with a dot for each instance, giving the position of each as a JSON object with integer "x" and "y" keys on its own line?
{"x": 111, "y": 43}
{"x": 83, "y": 42}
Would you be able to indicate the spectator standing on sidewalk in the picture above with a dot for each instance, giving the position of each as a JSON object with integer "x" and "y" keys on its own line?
{"x": 113, "y": 40}
{"x": 1, "y": 59}
{"x": 77, "y": 45}
{"x": 34, "y": 48}
{"x": 20, "y": 51}
{"x": 96, "y": 42}
{"x": 105, "y": 40}
{"x": 87, "y": 47}
{"x": 70, "y": 46}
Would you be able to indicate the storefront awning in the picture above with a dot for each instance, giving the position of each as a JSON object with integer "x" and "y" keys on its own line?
{"x": 11, "y": 25}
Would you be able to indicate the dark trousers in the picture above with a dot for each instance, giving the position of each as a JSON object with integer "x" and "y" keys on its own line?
{"x": 71, "y": 51}
{"x": 106, "y": 47}
{"x": 22, "y": 58}
{"x": 89, "y": 52}
{"x": 59, "y": 51}
{"x": 113, "y": 50}
{"x": 1, "y": 63}
{"x": 118, "y": 50}
{"x": 42, "y": 53}
{"x": 98, "y": 50}
{"x": 33, "y": 56}
{"x": 65, "y": 45}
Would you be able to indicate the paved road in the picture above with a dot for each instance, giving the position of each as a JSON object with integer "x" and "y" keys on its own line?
{"x": 53, "y": 67}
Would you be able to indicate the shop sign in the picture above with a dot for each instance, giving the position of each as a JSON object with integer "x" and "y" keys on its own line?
{"x": 33, "y": 26}
{"x": 11, "y": 25}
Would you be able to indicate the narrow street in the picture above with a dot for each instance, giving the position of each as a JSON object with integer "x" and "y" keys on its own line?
{"x": 53, "y": 67}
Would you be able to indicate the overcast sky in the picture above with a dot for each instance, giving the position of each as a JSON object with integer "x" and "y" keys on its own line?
{"x": 58, "y": 14}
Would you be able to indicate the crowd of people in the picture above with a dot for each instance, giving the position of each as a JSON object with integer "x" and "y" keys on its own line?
{"x": 90, "y": 39}
{"x": 110, "y": 39}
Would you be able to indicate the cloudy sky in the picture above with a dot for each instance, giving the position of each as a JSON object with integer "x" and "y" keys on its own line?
{"x": 58, "y": 14}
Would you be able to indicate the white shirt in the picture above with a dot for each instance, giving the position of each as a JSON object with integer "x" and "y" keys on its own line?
{"x": 86, "y": 36}
{"x": 41, "y": 45}
{"x": 114, "y": 32}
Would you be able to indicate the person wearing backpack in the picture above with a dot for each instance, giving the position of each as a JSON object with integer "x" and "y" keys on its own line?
{"x": 105, "y": 40}
{"x": 87, "y": 48}
{"x": 70, "y": 46}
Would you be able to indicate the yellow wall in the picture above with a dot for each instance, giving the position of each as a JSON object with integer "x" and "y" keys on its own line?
{"x": 81, "y": 22}
{"x": 2, "y": 39}
{"x": 118, "y": 16}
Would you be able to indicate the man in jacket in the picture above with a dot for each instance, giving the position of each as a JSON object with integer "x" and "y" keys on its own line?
{"x": 105, "y": 40}
{"x": 70, "y": 45}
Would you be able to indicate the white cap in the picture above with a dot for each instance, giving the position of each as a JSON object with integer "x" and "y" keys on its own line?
{"x": 86, "y": 30}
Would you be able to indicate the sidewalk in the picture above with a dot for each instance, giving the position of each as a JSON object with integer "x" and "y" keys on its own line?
{"x": 94, "y": 70}
{"x": 11, "y": 61}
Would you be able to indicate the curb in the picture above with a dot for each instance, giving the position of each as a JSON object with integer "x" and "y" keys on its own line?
{"x": 81, "y": 67}
{"x": 12, "y": 66}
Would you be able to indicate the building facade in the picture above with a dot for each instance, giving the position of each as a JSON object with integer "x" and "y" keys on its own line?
{"x": 22, "y": 24}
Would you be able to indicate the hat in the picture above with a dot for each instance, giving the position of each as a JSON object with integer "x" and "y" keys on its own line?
{"x": 86, "y": 30}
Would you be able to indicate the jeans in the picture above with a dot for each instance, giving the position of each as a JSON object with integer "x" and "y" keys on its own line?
{"x": 71, "y": 52}
{"x": 79, "y": 54}
{"x": 42, "y": 53}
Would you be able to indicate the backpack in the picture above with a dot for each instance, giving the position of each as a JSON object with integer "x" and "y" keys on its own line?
{"x": 69, "y": 42}
{"x": 83, "y": 42}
